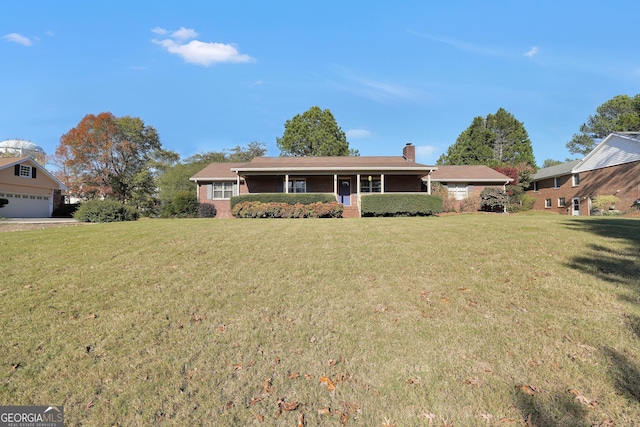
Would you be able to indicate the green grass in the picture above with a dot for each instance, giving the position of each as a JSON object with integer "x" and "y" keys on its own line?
{"x": 456, "y": 320}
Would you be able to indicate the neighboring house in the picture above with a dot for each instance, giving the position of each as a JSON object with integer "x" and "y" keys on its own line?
{"x": 465, "y": 181}
{"x": 31, "y": 190}
{"x": 347, "y": 177}
{"x": 610, "y": 169}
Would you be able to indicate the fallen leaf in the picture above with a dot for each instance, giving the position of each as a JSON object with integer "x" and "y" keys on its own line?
{"x": 301, "y": 421}
{"x": 331, "y": 363}
{"x": 472, "y": 381}
{"x": 27, "y": 286}
{"x": 324, "y": 411}
{"x": 344, "y": 418}
{"x": 444, "y": 300}
{"x": 413, "y": 381}
{"x": 464, "y": 289}
{"x": 267, "y": 387}
{"x": 293, "y": 375}
{"x": 473, "y": 303}
{"x": 308, "y": 377}
{"x": 88, "y": 405}
{"x": 221, "y": 328}
{"x": 327, "y": 380}
{"x": 526, "y": 389}
{"x": 255, "y": 400}
{"x": 387, "y": 423}
{"x": 260, "y": 418}
{"x": 288, "y": 406}
{"x": 229, "y": 404}
{"x": 237, "y": 366}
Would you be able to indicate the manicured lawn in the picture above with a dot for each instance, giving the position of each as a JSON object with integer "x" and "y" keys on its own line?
{"x": 458, "y": 320}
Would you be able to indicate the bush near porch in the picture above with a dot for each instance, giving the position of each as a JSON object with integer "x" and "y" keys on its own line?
{"x": 286, "y": 210}
{"x": 401, "y": 205}
{"x": 289, "y": 198}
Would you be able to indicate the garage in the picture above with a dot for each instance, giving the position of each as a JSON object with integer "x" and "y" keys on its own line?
{"x": 32, "y": 192}
{"x": 25, "y": 206}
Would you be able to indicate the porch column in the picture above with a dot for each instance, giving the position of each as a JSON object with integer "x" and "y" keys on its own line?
{"x": 358, "y": 188}
{"x": 429, "y": 183}
{"x": 335, "y": 186}
{"x": 286, "y": 183}
{"x": 238, "y": 184}
{"x": 381, "y": 183}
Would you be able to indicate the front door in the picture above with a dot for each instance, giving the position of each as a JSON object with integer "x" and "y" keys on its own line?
{"x": 344, "y": 191}
{"x": 575, "y": 206}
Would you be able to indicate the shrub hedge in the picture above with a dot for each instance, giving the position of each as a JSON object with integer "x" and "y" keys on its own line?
{"x": 207, "y": 210}
{"x": 105, "y": 211}
{"x": 289, "y": 198}
{"x": 285, "y": 210}
{"x": 401, "y": 205}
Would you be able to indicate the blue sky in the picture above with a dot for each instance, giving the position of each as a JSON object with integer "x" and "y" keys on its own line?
{"x": 211, "y": 75}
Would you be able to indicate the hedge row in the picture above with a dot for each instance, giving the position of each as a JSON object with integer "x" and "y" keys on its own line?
{"x": 108, "y": 210}
{"x": 400, "y": 205}
{"x": 286, "y": 210}
{"x": 289, "y": 198}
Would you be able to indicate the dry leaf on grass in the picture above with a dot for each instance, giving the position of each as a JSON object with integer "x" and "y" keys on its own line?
{"x": 267, "y": 387}
{"x": 387, "y": 423}
{"x": 344, "y": 418}
{"x": 288, "y": 406}
{"x": 293, "y": 375}
{"x": 324, "y": 411}
{"x": 413, "y": 381}
{"x": 472, "y": 381}
{"x": 329, "y": 383}
{"x": 301, "y": 421}
{"x": 527, "y": 389}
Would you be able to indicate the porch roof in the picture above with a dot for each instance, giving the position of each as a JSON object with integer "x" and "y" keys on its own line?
{"x": 335, "y": 164}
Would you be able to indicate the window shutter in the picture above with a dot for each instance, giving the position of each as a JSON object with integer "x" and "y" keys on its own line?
{"x": 17, "y": 170}
{"x": 234, "y": 189}
{"x": 33, "y": 172}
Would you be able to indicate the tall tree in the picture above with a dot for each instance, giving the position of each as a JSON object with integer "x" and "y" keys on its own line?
{"x": 619, "y": 114}
{"x": 498, "y": 139}
{"x": 104, "y": 156}
{"x": 314, "y": 133}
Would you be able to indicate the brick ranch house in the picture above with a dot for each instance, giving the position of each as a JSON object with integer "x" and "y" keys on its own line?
{"x": 347, "y": 177}
{"x": 610, "y": 169}
{"x": 32, "y": 192}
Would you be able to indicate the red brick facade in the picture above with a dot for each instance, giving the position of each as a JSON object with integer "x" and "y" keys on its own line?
{"x": 622, "y": 181}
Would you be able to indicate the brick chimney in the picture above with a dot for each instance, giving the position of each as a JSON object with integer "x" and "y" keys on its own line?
{"x": 409, "y": 152}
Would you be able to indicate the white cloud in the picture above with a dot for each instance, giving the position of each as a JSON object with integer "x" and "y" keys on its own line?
{"x": 358, "y": 133}
{"x": 196, "y": 51}
{"x": 201, "y": 53}
{"x": 17, "y": 38}
{"x": 534, "y": 50}
{"x": 184, "y": 34}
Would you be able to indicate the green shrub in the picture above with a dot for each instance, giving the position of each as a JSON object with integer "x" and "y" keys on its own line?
{"x": 286, "y": 210}
{"x": 605, "y": 203}
{"x": 401, "y": 205}
{"x": 493, "y": 199}
{"x": 207, "y": 210}
{"x": 183, "y": 204}
{"x": 289, "y": 198}
{"x": 105, "y": 211}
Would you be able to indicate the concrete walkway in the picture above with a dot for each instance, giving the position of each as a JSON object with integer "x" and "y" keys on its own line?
{"x": 36, "y": 220}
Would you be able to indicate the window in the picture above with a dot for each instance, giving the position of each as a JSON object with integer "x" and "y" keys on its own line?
{"x": 575, "y": 179}
{"x": 547, "y": 203}
{"x": 297, "y": 186}
{"x": 457, "y": 191}
{"x": 556, "y": 182}
{"x": 25, "y": 171}
{"x": 561, "y": 202}
{"x": 372, "y": 185}
{"x": 535, "y": 186}
{"x": 220, "y": 190}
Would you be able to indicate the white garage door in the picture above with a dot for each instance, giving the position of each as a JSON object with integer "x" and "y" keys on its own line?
{"x": 25, "y": 206}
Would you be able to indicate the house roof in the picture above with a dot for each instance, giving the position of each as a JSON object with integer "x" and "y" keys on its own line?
{"x": 554, "y": 171}
{"x": 471, "y": 173}
{"x": 217, "y": 171}
{"x": 615, "y": 149}
{"x": 8, "y": 162}
{"x": 384, "y": 164}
